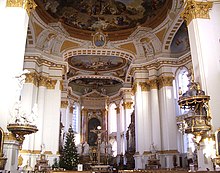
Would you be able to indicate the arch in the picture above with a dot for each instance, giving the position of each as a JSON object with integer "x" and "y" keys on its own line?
{"x": 103, "y": 52}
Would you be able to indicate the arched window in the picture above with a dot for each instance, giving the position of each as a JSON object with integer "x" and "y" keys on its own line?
{"x": 182, "y": 82}
{"x": 76, "y": 121}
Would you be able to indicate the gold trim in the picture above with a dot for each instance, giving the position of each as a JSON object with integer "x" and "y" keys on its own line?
{"x": 168, "y": 152}
{"x": 42, "y": 81}
{"x": 194, "y": 9}
{"x": 165, "y": 81}
{"x": 71, "y": 109}
{"x": 127, "y": 105}
{"x": 134, "y": 88}
{"x": 64, "y": 104}
{"x": 117, "y": 110}
{"x": 31, "y": 78}
{"x": 28, "y": 5}
{"x": 153, "y": 84}
{"x": 61, "y": 85}
{"x": 9, "y": 137}
{"x": 144, "y": 86}
{"x": 51, "y": 83}
{"x": 48, "y": 152}
{"x": 20, "y": 160}
{"x": 2, "y": 141}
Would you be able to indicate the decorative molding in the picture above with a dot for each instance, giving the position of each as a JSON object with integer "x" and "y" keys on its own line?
{"x": 61, "y": 85}
{"x": 168, "y": 152}
{"x": 153, "y": 84}
{"x": 165, "y": 81}
{"x": 64, "y": 104}
{"x": 144, "y": 86}
{"x": 31, "y": 78}
{"x": 194, "y": 9}
{"x": 28, "y": 5}
{"x": 71, "y": 109}
{"x": 117, "y": 110}
{"x": 51, "y": 83}
{"x": 9, "y": 137}
{"x": 134, "y": 88}
{"x": 42, "y": 81}
{"x": 127, "y": 105}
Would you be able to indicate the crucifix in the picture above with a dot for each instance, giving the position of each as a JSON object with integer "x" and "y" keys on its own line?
{"x": 99, "y": 132}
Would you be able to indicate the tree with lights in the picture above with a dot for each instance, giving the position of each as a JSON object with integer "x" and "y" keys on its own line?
{"x": 69, "y": 157}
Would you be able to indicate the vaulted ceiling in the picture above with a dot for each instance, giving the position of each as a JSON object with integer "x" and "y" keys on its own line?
{"x": 102, "y": 40}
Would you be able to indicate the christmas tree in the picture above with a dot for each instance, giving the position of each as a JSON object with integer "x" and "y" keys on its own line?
{"x": 69, "y": 157}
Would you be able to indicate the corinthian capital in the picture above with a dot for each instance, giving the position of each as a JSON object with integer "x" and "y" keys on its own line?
{"x": 194, "y": 9}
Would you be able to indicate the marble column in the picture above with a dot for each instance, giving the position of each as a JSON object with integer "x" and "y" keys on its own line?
{"x": 168, "y": 121}
{"x": 155, "y": 112}
{"x": 118, "y": 135}
{"x": 203, "y": 21}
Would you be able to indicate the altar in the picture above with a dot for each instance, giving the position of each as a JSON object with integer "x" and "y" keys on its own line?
{"x": 102, "y": 168}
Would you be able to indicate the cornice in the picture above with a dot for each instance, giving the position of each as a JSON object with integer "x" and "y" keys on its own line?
{"x": 195, "y": 9}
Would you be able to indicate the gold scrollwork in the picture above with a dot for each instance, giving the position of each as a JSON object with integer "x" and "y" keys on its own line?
{"x": 117, "y": 110}
{"x": 64, "y": 104}
{"x": 28, "y": 5}
{"x": 144, "y": 86}
{"x": 165, "y": 81}
{"x": 127, "y": 105}
{"x": 42, "y": 81}
{"x": 31, "y": 78}
{"x": 51, "y": 84}
{"x": 134, "y": 88}
{"x": 153, "y": 84}
{"x": 194, "y": 9}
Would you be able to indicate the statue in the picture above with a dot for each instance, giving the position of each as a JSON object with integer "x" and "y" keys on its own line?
{"x": 79, "y": 148}
{"x": 109, "y": 149}
{"x": 42, "y": 148}
{"x": 102, "y": 148}
{"x": 85, "y": 148}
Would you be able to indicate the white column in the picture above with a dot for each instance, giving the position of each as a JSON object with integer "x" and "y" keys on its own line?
{"x": 156, "y": 125}
{"x": 13, "y": 38}
{"x": 52, "y": 117}
{"x": 204, "y": 34}
{"x": 118, "y": 135}
{"x": 40, "y": 120}
{"x": 29, "y": 99}
{"x": 168, "y": 120}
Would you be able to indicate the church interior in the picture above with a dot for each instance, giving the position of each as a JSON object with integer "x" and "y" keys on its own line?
{"x": 136, "y": 80}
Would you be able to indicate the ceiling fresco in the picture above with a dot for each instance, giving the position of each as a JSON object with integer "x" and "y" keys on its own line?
{"x": 96, "y": 63}
{"x": 180, "y": 42}
{"x": 108, "y": 15}
{"x": 103, "y": 86}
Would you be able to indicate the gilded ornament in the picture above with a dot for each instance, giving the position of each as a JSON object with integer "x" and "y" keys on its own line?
{"x": 153, "y": 84}
{"x": 134, "y": 88}
{"x": 43, "y": 81}
{"x": 31, "y": 78}
{"x": 64, "y": 104}
{"x": 61, "y": 85}
{"x": 28, "y": 5}
{"x": 51, "y": 84}
{"x": 165, "y": 81}
{"x": 20, "y": 160}
{"x": 127, "y": 105}
{"x": 144, "y": 86}
{"x": 71, "y": 109}
{"x": 9, "y": 137}
{"x": 194, "y": 9}
{"x": 117, "y": 110}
